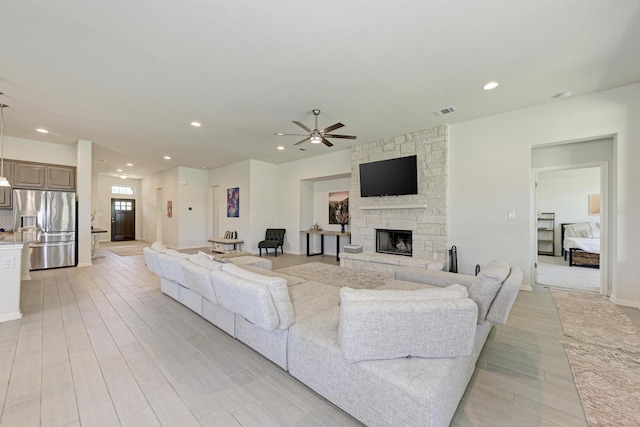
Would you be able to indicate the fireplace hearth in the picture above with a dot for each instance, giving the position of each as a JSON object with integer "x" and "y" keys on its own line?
{"x": 394, "y": 242}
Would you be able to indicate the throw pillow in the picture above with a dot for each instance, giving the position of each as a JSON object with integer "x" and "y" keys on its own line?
{"x": 486, "y": 285}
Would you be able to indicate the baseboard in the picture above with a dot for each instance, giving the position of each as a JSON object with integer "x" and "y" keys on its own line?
{"x": 624, "y": 302}
{"x": 526, "y": 287}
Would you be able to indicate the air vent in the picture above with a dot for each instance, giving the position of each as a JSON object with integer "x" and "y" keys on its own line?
{"x": 445, "y": 111}
{"x": 302, "y": 149}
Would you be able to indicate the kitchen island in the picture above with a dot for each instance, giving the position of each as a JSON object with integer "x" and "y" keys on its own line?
{"x": 10, "y": 278}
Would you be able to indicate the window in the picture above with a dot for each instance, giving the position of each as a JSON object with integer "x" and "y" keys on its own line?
{"x": 122, "y": 205}
{"x": 118, "y": 189}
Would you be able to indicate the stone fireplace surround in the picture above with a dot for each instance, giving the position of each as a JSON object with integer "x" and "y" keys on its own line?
{"x": 424, "y": 214}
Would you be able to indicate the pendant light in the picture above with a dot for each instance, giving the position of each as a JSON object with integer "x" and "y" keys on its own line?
{"x": 4, "y": 182}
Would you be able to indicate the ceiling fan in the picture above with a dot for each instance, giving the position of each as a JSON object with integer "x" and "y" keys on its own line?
{"x": 316, "y": 136}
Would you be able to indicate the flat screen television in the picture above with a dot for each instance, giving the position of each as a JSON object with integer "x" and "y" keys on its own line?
{"x": 392, "y": 177}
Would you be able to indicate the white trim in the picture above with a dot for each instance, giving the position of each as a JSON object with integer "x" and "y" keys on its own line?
{"x": 10, "y": 316}
{"x": 625, "y": 302}
{"x": 383, "y": 207}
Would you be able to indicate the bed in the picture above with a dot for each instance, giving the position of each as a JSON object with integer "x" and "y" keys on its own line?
{"x": 581, "y": 243}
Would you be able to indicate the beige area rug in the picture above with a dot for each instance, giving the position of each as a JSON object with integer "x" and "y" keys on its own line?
{"x": 563, "y": 276}
{"x": 338, "y": 276}
{"x": 593, "y": 319}
{"x": 608, "y": 383}
{"x": 127, "y": 250}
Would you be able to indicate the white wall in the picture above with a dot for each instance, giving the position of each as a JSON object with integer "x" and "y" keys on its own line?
{"x": 40, "y": 152}
{"x": 190, "y": 210}
{"x": 292, "y": 178}
{"x": 232, "y": 176}
{"x": 489, "y": 175}
{"x": 565, "y": 193}
{"x": 263, "y": 194}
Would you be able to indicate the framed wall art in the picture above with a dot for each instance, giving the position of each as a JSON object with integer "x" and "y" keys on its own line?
{"x": 233, "y": 202}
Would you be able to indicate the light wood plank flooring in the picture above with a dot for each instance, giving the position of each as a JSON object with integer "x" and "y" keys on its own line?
{"x": 102, "y": 346}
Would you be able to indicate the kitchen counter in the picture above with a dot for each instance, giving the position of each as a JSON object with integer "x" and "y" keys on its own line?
{"x": 8, "y": 238}
{"x": 10, "y": 277}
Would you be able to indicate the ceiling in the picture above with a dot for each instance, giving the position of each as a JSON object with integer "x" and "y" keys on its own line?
{"x": 131, "y": 76}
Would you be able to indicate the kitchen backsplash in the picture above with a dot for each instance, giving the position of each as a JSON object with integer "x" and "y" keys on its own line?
{"x": 6, "y": 219}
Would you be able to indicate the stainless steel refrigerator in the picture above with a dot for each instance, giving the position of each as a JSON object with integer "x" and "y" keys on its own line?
{"x": 46, "y": 219}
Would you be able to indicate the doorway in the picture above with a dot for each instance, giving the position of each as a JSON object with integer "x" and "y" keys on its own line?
{"x": 123, "y": 219}
{"x": 566, "y": 177}
{"x": 562, "y": 203}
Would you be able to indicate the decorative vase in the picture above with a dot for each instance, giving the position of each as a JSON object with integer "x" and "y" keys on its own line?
{"x": 342, "y": 228}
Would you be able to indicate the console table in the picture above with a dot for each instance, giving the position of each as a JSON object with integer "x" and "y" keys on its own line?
{"x": 224, "y": 246}
{"x": 323, "y": 233}
{"x": 95, "y": 242}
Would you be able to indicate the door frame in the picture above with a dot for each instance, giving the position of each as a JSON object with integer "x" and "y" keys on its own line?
{"x": 605, "y": 225}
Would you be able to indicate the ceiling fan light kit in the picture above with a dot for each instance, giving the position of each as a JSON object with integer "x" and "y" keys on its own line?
{"x": 316, "y": 136}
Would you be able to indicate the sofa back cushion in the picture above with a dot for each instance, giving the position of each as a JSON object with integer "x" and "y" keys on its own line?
{"x": 158, "y": 246}
{"x": 170, "y": 265}
{"x": 277, "y": 287}
{"x": 389, "y": 324}
{"x": 246, "y": 298}
{"x": 501, "y": 306}
{"x": 486, "y": 285}
{"x": 198, "y": 280}
{"x": 205, "y": 261}
{"x": 151, "y": 259}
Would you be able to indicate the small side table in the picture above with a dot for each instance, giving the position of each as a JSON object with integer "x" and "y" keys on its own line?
{"x": 225, "y": 245}
{"x": 95, "y": 242}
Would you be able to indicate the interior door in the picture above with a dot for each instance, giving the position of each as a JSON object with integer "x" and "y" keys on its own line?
{"x": 123, "y": 219}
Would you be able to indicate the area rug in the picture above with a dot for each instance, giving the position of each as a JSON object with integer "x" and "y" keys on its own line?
{"x": 593, "y": 319}
{"x": 577, "y": 278}
{"x": 125, "y": 250}
{"x": 338, "y": 276}
{"x": 608, "y": 383}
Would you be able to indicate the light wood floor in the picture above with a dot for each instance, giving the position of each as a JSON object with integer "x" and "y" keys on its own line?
{"x": 102, "y": 346}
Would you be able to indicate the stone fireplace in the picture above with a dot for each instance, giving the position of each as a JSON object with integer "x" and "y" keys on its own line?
{"x": 423, "y": 215}
{"x": 394, "y": 242}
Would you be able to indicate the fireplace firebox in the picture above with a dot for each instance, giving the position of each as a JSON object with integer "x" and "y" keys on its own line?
{"x": 395, "y": 242}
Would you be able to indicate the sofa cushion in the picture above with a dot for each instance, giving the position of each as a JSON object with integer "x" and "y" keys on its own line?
{"x": 277, "y": 288}
{"x": 151, "y": 259}
{"x": 170, "y": 265}
{"x": 246, "y": 298}
{"x": 157, "y": 246}
{"x": 205, "y": 261}
{"x": 486, "y": 285}
{"x": 198, "y": 280}
{"x": 389, "y": 324}
{"x": 507, "y": 294}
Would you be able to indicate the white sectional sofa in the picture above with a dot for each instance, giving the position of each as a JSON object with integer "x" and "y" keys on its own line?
{"x": 401, "y": 354}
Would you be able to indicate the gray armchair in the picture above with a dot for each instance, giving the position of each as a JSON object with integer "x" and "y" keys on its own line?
{"x": 274, "y": 238}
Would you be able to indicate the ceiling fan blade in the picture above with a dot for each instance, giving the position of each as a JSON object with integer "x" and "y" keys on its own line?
{"x": 340, "y": 136}
{"x": 326, "y": 142}
{"x": 290, "y": 134}
{"x": 302, "y": 126}
{"x": 332, "y": 127}
{"x": 300, "y": 142}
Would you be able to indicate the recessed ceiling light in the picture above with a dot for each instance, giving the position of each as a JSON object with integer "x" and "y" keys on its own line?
{"x": 196, "y": 124}
{"x": 129, "y": 164}
{"x": 118, "y": 170}
{"x": 167, "y": 157}
{"x": 123, "y": 176}
{"x": 42, "y": 130}
{"x": 203, "y": 167}
{"x": 490, "y": 86}
{"x": 280, "y": 147}
{"x": 279, "y": 134}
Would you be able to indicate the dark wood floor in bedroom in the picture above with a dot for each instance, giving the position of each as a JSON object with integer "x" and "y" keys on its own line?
{"x": 102, "y": 345}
